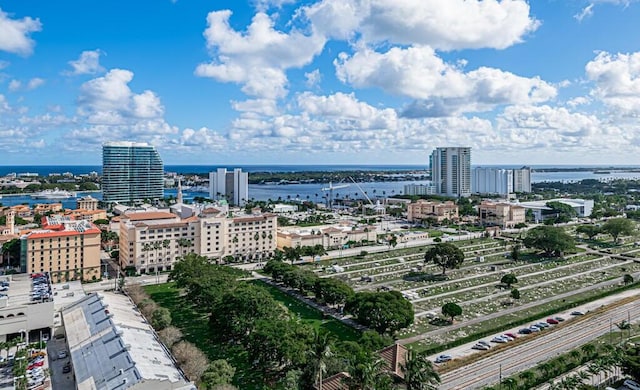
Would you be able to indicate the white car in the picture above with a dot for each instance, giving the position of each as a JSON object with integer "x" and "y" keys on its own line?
{"x": 631, "y": 384}
{"x": 443, "y": 358}
{"x": 499, "y": 339}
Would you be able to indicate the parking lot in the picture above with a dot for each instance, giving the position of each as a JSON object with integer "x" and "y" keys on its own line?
{"x": 60, "y": 379}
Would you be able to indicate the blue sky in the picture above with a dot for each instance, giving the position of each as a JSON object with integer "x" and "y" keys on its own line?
{"x": 321, "y": 82}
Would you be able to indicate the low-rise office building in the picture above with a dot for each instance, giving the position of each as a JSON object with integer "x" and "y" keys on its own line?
{"x": 64, "y": 247}
{"x": 583, "y": 207}
{"x": 329, "y": 236}
{"x": 504, "y": 215}
{"x": 87, "y": 203}
{"x": 426, "y": 209}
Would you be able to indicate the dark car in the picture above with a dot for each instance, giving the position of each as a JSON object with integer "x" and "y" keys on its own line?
{"x": 525, "y": 331}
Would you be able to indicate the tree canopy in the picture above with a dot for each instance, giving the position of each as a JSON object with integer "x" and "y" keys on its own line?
{"x": 554, "y": 241}
{"x": 618, "y": 226}
{"x": 451, "y": 309}
{"x": 445, "y": 255}
{"x": 509, "y": 279}
{"x": 385, "y": 312}
{"x": 590, "y": 231}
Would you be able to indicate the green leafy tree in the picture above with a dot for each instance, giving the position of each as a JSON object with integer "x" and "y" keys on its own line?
{"x": 419, "y": 373}
{"x": 385, "y": 312}
{"x": 218, "y": 373}
{"x": 161, "y": 318}
{"x": 627, "y": 279}
{"x": 445, "y": 255}
{"x": 563, "y": 212}
{"x": 617, "y": 227}
{"x": 515, "y": 293}
{"x": 591, "y": 231}
{"x": 320, "y": 353}
{"x": 553, "y": 241}
{"x": 332, "y": 291}
{"x": 369, "y": 373}
{"x": 509, "y": 279}
{"x": 243, "y": 307}
{"x": 451, "y": 309}
{"x": 515, "y": 252}
{"x": 631, "y": 362}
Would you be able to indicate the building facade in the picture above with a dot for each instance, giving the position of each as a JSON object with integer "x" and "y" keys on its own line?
{"x": 131, "y": 172}
{"x": 522, "y": 179}
{"x": 451, "y": 171}
{"x": 330, "y": 237}
{"x": 230, "y": 186}
{"x": 500, "y": 181}
{"x": 154, "y": 241}
{"x": 492, "y": 181}
{"x": 504, "y": 215}
{"x": 64, "y": 247}
{"x": 87, "y": 203}
{"x": 419, "y": 189}
{"x": 425, "y": 209}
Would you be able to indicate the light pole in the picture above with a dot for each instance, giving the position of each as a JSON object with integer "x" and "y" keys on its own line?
{"x": 500, "y": 378}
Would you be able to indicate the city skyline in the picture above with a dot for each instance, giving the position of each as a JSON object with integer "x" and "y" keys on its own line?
{"x": 321, "y": 82}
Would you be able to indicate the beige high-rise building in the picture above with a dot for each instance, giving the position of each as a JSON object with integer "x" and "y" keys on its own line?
{"x": 66, "y": 248}
{"x": 154, "y": 241}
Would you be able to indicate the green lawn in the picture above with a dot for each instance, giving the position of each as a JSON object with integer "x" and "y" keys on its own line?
{"x": 195, "y": 327}
{"x": 311, "y": 316}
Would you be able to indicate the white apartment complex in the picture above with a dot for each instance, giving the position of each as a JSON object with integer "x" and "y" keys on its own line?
{"x": 500, "y": 181}
{"x": 451, "y": 171}
{"x": 230, "y": 186}
{"x": 153, "y": 241}
{"x": 420, "y": 189}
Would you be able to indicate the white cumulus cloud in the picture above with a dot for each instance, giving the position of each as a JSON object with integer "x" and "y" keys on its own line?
{"x": 258, "y": 58}
{"x": 87, "y": 63}
{"x": 442, "y": 24}
{"x": 441, "y": 89}
{"x": 617, "y": 80}
{"x": 15, "y": 33}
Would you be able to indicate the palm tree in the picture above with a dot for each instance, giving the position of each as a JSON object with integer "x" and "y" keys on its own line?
{"x": 588, "y": 350}
{"x": 369, "y": 374}
{"x": 319, "y": 354}
{"x": 575, "y": 355}
{"x": 419, "y": 373}
{"x": 510, "y": 383}
{"x": 527, "y": 376}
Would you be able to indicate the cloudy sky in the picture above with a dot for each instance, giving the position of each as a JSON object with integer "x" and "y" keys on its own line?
{"x": 321, "y": 82}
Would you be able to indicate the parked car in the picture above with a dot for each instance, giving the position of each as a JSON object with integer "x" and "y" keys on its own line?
{"x": 633, "y": 385}
{"x": 512, "y": 335}
{"x": 443, "y": 358}
{"x": 509, "y": 338}
{"x": 484, "y": 343}
{"x": 499, "y": 339}
{"x": 558, "y": 318}
{"x": 62, "y": 354}
{"x": 481, "y": 347}
{"x": 542, "y": 325}
{"x": 525, "y": 331}
{"x": 66, "y": 369}
{"x": 552, "y": 321}
{"x": 534, "y": 328}
{"x": 577, "y": 313}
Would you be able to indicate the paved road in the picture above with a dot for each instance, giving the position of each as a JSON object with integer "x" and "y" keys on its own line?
{"x": 539, "y": 348}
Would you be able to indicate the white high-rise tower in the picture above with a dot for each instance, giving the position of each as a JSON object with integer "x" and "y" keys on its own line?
{"x": 451, "y": 171}
{"x": 230, "y": 186}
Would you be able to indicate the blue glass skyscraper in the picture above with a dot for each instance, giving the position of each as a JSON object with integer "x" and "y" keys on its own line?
{"x": 131, "y": 172}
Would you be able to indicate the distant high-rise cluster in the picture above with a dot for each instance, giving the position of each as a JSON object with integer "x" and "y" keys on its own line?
{"x": 131, "y": 172}
{"x": 451, "y": 171}
{"x": 500, "y": 181}
{"x": 230, "y": 186}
